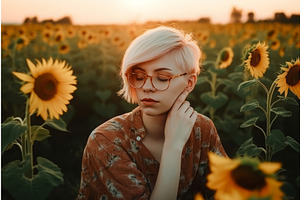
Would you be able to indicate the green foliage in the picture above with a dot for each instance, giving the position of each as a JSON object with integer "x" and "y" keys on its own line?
{"x": 37, "y": 188}
{"x": 250, "y": 149}
{"x": 216, "y": 101}
{"x": 228, "y": 96}
{"x": 11, "y": 129}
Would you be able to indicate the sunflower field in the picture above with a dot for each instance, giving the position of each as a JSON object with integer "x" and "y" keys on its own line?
{"x": 238, "y": 93}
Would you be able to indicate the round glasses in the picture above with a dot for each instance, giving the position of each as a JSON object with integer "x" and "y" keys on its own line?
{"x": 159, "y": 81}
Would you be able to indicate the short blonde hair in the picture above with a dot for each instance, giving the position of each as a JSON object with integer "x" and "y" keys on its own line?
{"x": 155, "y": 43}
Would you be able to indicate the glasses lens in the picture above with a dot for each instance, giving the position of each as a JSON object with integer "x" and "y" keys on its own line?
{"x": 160, "y": 81}
{"x": 136, "y": 80}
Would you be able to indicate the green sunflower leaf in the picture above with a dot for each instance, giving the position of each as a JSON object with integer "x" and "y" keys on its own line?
{"x": 58, "y": 124}
{"x": 39, "y": 133}
{"x": 281, "y": 111}
{"x": 251, "y": 105}
{"x": 10, "y": 131}
{"x": 246, "y": 84}
{"x": 276, "y": 140}
{"x": 236, "y": 75}
{"x": 227, "y": 82}
{"x": 103, "y": 95}
{"x": 292, "y": 143}
{"x": 249, "y": 122}
{"x": 36, "y": 188}
{"x": 289, "y": 100}
{"x": 214, "y": 101}
{"x": 250, "y": 149}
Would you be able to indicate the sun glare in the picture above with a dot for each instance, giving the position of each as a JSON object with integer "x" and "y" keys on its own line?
{"x": 137, "y": 4}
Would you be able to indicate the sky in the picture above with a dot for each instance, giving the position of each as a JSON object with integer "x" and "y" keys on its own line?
{"x": 87, "y": 12}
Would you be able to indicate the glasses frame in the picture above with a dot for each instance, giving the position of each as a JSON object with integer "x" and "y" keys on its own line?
{"x": 148, "y": 76}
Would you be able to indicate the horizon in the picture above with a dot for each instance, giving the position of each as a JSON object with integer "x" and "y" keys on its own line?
{"x": 93, "y": 12}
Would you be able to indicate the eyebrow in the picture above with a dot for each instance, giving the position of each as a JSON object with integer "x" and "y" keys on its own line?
{"x": 156, "y": 70}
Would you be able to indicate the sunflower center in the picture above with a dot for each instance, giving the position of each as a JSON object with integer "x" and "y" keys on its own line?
{"x": 255, "y": 59}
{"x": 224, "y": 55}
{"x": 45, "y": 86}
{"x": 292, "y": 77}
{"x": 247, "y": 178}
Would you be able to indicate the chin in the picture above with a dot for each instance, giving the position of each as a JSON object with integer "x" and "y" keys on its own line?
{"x": 151, "y": 111}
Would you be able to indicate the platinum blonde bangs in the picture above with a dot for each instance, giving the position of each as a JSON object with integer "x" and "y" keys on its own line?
{"x": 153, "y": 44}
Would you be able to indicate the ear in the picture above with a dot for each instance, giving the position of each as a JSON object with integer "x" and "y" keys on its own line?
{"x": 192, "y": 80}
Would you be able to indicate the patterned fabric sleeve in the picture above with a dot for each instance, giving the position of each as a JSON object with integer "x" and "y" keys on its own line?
{"x": 215, "y": 142}
{"x": 109, "y": 173}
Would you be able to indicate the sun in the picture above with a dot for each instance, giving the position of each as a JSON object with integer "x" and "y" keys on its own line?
{"x": 138, "y": 5}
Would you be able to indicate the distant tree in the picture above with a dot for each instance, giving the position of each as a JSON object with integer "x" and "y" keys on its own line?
{"x": 204, "y": 20}
{"x": 26, "y": 20}
{"x": 34, "y": 20}
{"x": 64, "y": 20}
{"x": 47, "y": 21}
{"x": 236, "y": 15}
{"x": 250, "y": 17}
{"x": 295, "y": 19}
{"x": 280, "y": 17}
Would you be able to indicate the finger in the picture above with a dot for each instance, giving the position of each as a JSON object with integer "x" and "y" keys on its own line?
{"x": 184, "y": 106}
{"x": 194, "y": 116}
{"x": 180, "y": 99}
{"x": 189, "y": 111}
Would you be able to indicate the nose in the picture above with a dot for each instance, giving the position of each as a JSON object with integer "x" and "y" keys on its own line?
{"x": 148, "y": 85}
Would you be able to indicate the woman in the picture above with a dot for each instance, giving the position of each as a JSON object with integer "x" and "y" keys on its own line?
{"x": 159, "y": 150}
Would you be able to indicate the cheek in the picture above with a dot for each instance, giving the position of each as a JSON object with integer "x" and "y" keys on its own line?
{"x": 172, "y": 94}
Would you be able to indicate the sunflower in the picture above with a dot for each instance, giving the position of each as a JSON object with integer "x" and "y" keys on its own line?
{"x": 64, "y": 48}
{"x": 289, "y": 79}
{"x": 282, "y": 51}
{"x": 275, "y": 44}
{"x": 256, "y": 59}
{"x": 50, "y": 86}
{"x": 81, "y": 44}
{"x": 198, "y": 196}
{"x": 59, "y": 36}
{"x": 47, "y": 35}
{"x": 243, "y": 178}
{"x": 271, "y": 34}
{"x": 225, "y": 57}
{"x": 22, "y": 42}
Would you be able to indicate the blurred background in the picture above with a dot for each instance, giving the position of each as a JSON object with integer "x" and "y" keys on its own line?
{"x": 92, "y": 36}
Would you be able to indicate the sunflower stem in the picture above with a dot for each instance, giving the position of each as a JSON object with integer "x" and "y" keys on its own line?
{"x": 268, "y": 118}
{"x": 29, "y": 153}
{"x": 262, "y": 130}
{"x": 213, "y": 84}
{"x": 263, "y": 86}
{"x": 23, "y": 145}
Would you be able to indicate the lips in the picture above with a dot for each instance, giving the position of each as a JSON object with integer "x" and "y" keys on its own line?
{"x": 148, "y": 101}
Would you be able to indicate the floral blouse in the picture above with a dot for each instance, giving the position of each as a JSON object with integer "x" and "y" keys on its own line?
{"x": 117, "y": 165}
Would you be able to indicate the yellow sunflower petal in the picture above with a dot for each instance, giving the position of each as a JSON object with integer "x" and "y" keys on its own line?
{"x": 42, "y": 110}
{"x": 32, "y": 68}
{"x": 23, "y": 77}
{"x": 269, "y": 168}
{"x": 27, "y": 88}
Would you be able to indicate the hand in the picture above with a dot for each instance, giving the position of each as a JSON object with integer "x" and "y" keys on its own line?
{"x": 179, "y": 123}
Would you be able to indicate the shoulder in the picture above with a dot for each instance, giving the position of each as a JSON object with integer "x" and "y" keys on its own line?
{"x": 204, "y": 128}
{"x": 114, "y": 130}
{"x": 203, "y": 121}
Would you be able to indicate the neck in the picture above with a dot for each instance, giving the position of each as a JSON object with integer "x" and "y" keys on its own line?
{"x": 155, "y": 125}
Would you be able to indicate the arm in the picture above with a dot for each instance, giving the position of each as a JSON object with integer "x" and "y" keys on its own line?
{"x": 179, "y": 124}
{"x": 109, "y": 173}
